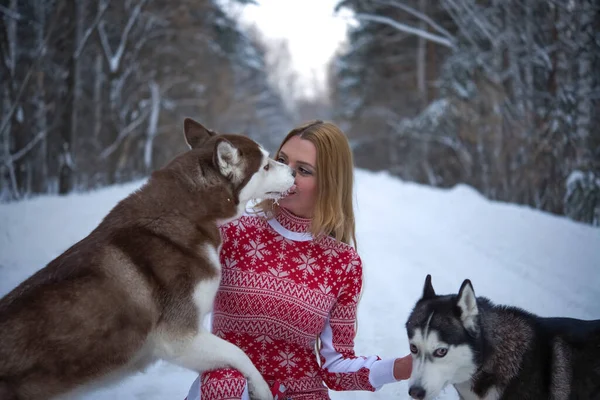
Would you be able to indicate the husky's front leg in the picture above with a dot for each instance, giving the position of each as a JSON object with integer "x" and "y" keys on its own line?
{"x": 207, "y": 351}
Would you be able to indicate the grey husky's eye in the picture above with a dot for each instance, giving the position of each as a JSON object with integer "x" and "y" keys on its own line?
{"x": 441, "y": 352}
{"x": 413, "y": 349}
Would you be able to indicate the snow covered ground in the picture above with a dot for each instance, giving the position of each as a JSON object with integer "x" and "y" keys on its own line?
{"x": 513, "y": 254}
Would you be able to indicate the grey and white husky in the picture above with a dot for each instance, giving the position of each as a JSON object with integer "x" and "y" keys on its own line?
{"x": 497, "y": 352}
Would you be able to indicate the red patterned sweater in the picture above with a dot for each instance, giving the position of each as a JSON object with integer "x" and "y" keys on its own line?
{"x": 280, "y": 290}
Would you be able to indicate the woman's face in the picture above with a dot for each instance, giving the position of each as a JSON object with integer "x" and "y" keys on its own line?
{"x": 301, "y": 155}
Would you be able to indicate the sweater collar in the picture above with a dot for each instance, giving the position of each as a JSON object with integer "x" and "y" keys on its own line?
{"x": 292, "y": 222}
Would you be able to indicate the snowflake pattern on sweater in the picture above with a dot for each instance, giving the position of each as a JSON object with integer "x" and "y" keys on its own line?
{"x": 280, "y": 290}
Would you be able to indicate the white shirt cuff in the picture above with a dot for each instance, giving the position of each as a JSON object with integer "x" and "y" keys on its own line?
{"x": 382, "y": 372}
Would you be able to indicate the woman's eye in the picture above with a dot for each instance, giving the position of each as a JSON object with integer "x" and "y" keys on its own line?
{"x": 304, "y": 171}
{"x": 280, "y": 159}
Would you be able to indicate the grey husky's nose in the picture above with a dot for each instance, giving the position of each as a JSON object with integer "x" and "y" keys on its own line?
{"x": 417, "y": 392}
{"x": 294, "y": 173}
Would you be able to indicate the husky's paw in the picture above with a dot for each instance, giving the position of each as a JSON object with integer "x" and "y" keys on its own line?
{"x": 259, "y": 390}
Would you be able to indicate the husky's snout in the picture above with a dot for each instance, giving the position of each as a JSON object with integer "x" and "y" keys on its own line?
{"x": 284, "y": 176}
{"x": 417, "y": 392}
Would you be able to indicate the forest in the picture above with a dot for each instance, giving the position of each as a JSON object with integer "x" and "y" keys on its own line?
{"x": 500, "y": 95}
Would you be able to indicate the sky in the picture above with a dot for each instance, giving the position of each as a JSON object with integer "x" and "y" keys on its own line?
{"x": 312, "y": 28}
{"x": 513, "y": 255}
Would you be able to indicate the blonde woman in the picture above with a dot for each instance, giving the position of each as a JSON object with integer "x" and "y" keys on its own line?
{"x": 291, "y": 283}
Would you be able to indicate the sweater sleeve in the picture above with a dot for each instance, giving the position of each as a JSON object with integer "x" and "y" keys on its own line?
{"x": 342, "y": 369}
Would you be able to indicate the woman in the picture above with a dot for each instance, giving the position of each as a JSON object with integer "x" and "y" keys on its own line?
{"x": 292, "y": 280}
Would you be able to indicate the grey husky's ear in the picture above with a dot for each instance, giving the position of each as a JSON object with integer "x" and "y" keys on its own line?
{"x": 195, "y": 133}
{"x": 226, "y": 157}
{"x": 428, "y": 292}
{"x": 467, "y": 304}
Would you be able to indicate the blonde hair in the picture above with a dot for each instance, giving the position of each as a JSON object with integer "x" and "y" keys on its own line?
{"x": 334, "y": 212}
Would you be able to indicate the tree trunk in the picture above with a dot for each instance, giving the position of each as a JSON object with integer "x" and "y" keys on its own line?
{"x": 152, "y": 126}
{"x": 66, "y": 101}
{"x": 40, "y": 171}
{"x": 421, "y": 61}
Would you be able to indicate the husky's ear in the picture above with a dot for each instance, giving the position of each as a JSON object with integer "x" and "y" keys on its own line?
{"x": 428, "y": 292}
{"x": 467, "y": 305}
{"x": 195, "y": 133}
{"x": 226, "y": 157}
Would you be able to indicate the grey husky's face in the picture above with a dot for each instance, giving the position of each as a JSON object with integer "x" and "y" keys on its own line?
{"x": 442, "y": 332}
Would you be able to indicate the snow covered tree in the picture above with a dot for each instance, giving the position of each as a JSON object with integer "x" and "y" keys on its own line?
{"x": 582, "y": 198}
{"x": 94, "y": 92}
{"x": 512, "y": 112}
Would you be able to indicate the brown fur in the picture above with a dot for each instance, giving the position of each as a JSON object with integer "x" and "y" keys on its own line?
{"x": 90, "y": 312}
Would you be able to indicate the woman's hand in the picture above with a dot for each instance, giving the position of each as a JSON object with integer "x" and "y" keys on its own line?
{"x": 403, "y": 368}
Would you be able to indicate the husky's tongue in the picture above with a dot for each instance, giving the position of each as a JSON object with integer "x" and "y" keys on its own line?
{"x": 283, "y": 195}
{"x": 291, "y": 190}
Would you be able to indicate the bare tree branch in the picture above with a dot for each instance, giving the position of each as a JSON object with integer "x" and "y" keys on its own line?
{"x": 474, "y": 18}
{"x": 89, "y": 31}
{"x": 10, "y": 13}
{"x": 114, "y": 59}
{"x": 21, "y": 153}
{"x": 123, "y": 134}
{"x": 36, "y": 59}
{"x": 405, "y": 28}
{"x": 419, "y": 15}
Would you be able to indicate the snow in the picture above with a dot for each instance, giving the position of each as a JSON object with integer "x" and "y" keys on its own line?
{"x": 577, "y": 177}
{"x": 513, "y": 254}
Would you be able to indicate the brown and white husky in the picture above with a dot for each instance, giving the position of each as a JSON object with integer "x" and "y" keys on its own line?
{"x": 137, "y": 288}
